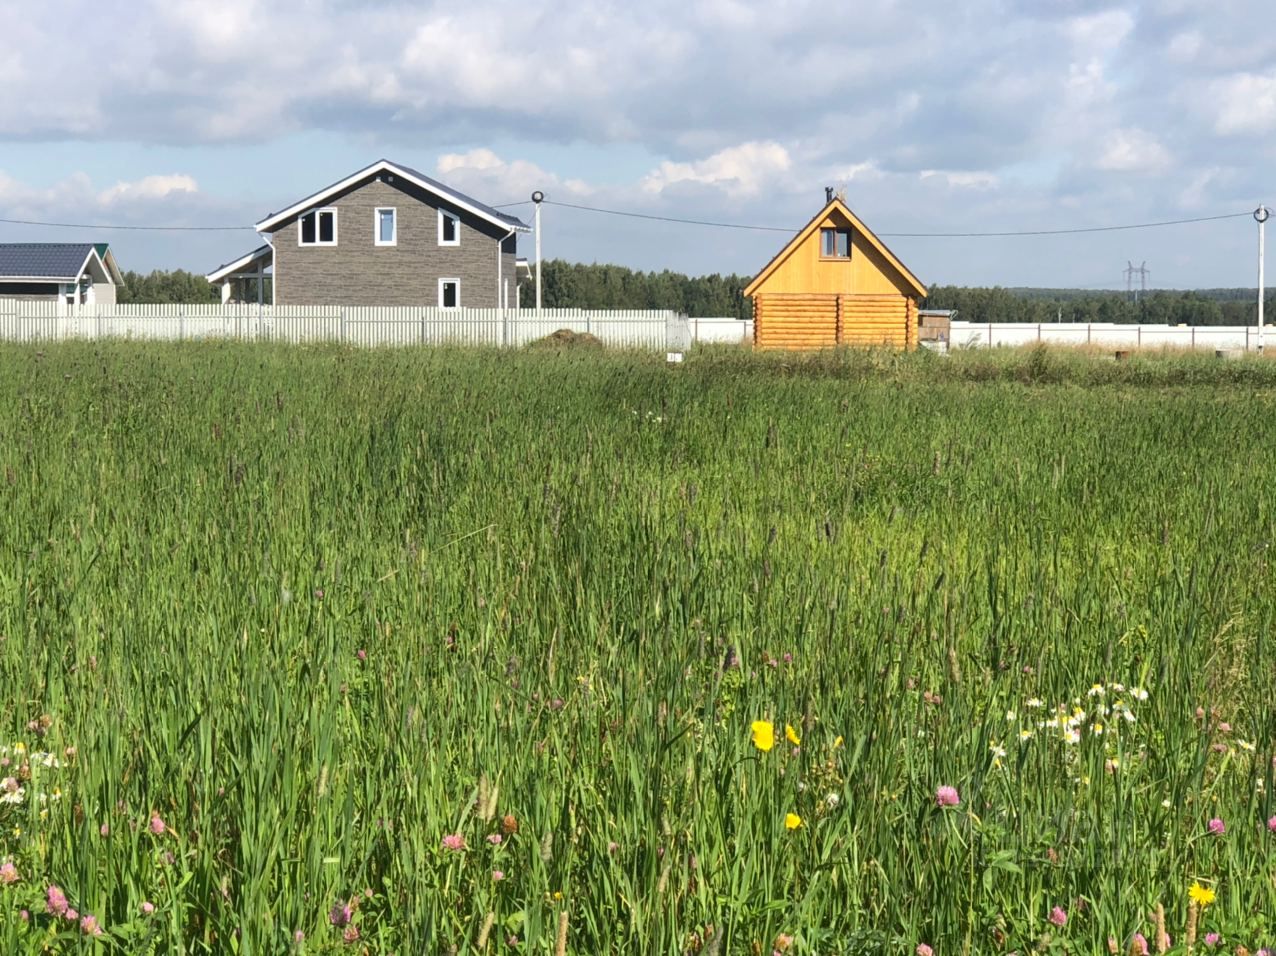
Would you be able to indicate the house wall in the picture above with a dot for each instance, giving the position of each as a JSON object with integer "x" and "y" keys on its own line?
{"x": 104, "y": 293}
{"x": 356, "y": 271}
{"x": 822, "y": 320}
{"x": 8, "y": 291}
{"x": 804, "y": 270}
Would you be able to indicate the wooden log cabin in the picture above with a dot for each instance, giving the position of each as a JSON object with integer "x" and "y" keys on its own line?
{"x": 835, "y": 283}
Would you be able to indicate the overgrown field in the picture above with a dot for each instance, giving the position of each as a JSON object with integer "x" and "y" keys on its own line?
{"x": 320, "y": 650}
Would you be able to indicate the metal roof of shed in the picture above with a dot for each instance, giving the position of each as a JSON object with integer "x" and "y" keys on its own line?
{"x": 55, "y": 261}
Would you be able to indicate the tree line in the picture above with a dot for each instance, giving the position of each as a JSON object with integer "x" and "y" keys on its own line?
{"x": 573, "y": 285}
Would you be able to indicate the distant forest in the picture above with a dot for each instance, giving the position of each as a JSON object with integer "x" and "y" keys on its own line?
{"x": 570, "y": 285}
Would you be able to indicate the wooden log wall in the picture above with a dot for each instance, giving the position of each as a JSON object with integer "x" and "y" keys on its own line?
{"x": 815, "y": 321}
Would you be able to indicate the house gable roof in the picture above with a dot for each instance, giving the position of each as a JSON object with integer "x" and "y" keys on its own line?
{"x": 446, "y": 193}
{"x": 230, "y": 268}
{"x": 47, "y": 261}
{"x": 836, "y": 205}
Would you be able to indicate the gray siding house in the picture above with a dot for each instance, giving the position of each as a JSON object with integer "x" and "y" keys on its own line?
{"x": 68, "y": 273}
{"x": 384, "y": 236}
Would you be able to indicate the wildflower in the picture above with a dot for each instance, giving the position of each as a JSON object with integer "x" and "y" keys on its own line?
{"x": 1138, "y": 693}
{"x": 298, "y": 936}
{"x": 791, "y": 735}
{"x": 55, "y": 901}
{"x": 782, "y": 943}
{"x": 1212, "y": 939}
{"x": 340, "y": 914}
{"x": 494, "y": 839}
{"x": 1139, "y": 945}
{"x": 1271, "y": 824}
{"x": 1025, "y": 734}
{"x": 1097, "y": 729}
{"x": 361, "y": 654}
{"x": 497, "y": 876}
{"x": 8, "y": 873}
{"x": 924, "y": 950}
{"x": 763, "y": 735}
{"x": 1072, "y": 736}
{"x": 1035, "y": 703}
{"x": 1217, "y": 827}
{"x": 1095, "y": 691}
{"x": 454, "y": 841}
{"x": 838, "y": 742}
{"x": 1201, "y": 895}
{"x": 1011, "y": 716}
{"x": 104, "y": 830}
{"x": 1224, "y": 727}
{"x": 792, "y": 821}
{"x": 1245, "y": 745}
{"x": 947, "y": 796}
{"x": 1058, "y": 916}
{"x": 509, "y": 824}
{"x": 788, "y": 657}
{"x": 351, "y": 934}
{"x": 147, "y": 907}
{"x": 612, "y": 847}
{"x": 998, "y": 752}
{"x": 832, "y": 800}
{"x": 89, "y": 926}
{"x": 158, "y": 826}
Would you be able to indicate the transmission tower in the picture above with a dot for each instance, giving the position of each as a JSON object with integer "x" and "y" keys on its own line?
{"x": 1142, "y": 272}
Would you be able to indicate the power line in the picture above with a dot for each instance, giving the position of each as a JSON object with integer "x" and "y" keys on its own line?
{"x": 691, "y": 222}
{"x": 908, "y": 235}
{"x": 82, "y": 225}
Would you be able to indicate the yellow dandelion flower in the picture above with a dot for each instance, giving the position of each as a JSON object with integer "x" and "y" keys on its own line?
{"x": 837, "y": 743}
{"x": 1201, "y": 895}
{"x": 763, "y": 735}
{"x": 792, "y": 821}
{"x": 791, "y": 735}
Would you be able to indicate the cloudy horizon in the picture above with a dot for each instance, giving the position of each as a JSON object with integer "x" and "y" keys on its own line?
{"x": 991, "y": 116}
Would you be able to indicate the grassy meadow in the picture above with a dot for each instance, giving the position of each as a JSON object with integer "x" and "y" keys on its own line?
{"x": 316, "y": 650}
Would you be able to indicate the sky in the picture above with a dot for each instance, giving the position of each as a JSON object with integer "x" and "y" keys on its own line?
{"x": 933, "y": 116}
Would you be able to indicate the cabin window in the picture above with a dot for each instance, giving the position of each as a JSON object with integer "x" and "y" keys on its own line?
{"x": 386, "y": 227}
{"x": 318, "y": 228}
{"x": 449, "y": 293}
{"x": 835, "y": 243}
{"x": 449, "y": 229}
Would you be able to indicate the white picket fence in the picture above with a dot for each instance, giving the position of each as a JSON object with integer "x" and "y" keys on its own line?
{"x": 357, "y": 325}
{"x": 1106, "y": 335}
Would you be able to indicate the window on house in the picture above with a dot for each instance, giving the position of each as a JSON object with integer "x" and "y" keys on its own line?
{"x": 449, "y": 293}
{"x": 449, "y": 229}
{"x": 386, "y": 227}
{"x": 318, "y": 228}
{"x": 835, "y": 243}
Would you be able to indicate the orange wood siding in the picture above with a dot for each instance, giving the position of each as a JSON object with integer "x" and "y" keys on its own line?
{"x": 815, "y": 321}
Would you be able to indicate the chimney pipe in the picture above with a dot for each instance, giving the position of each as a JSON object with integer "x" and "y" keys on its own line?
{"x": 828, "y": 194}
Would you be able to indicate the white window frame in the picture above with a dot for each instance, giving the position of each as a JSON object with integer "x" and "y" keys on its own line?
{"x": 376, "y": 226}
{"x": 457, "y": 282}
{"x": 317, "y": 212}
{"x": 455, "y": 218}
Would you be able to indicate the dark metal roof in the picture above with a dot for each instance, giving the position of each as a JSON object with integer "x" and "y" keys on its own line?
{"x": 469, "y": 200}
{"x": 43, "y": 260}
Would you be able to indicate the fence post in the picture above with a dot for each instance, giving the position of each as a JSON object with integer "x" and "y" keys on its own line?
{"x": 1139, "y": 336}
{"x": 422, "y": 326}
{"x": 181, "y": 323}
{"x": 342, "y": 328}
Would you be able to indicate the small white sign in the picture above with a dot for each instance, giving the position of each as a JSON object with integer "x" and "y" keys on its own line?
{"x": 674, "y": 357}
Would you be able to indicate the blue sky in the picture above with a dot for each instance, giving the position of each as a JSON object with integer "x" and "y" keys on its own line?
{"x": 988, "y": 115}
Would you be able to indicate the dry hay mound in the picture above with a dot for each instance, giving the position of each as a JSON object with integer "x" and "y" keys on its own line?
{"x": 567, "y": 339}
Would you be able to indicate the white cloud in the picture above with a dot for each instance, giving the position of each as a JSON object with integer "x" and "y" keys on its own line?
{"x": 1247, "y": 103}
{"x": 1132, "y": 150}
{"x": 149, "y": 187}
{"x": 963, "y": 179}
{"x": 742, "y": 170}
{"x": 484, "y": 173}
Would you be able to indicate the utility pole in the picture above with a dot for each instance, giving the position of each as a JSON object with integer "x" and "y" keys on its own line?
{"x": 1130, "y": 272}
{"x": 538, "y": 197}
{"x": 1261, "y": 215}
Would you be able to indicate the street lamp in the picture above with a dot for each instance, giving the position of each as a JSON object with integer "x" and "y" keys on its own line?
{"x": 1261, "y": 215}
{"x": 538, "y": 197}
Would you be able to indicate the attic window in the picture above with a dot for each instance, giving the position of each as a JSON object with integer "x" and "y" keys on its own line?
{"x": 318, "y": 228}
{"x": 835, "y": 243}
{"x": 449, "y": 229}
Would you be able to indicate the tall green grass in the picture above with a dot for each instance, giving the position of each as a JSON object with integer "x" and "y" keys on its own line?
{"x": 315, "y": 610}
